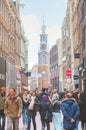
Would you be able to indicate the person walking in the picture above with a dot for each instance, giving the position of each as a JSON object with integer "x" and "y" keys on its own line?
{"x": 2, "y": 102}
{"x": 75, "y": 96}
{"x": 82, "y": 105}
{"x": 25, "y": 100}
{"x": 56, "y": 110}
{"x": 13, "y": 110}
{"x": 44, "y": 108}
{"x": 71, "y": 112}
{"x": 31, "y": 111}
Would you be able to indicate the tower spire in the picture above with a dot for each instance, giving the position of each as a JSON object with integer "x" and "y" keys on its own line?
{"x": 43, "y": 26}
{"x": 43, "y": 21}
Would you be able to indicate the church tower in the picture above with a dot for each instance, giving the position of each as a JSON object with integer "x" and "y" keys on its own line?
{"x": 43, "y": 52}
{"x": 43, "y": 61}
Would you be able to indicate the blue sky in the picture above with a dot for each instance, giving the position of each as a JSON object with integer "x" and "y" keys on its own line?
{"x": 52, "y": 10}
{"x": 32, "y": 14}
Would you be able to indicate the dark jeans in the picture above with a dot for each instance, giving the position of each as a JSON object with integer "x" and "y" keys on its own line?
{"x": 2, "y": 120}
{"x": 29, "y": 122}
{"x": 44, "y": 124}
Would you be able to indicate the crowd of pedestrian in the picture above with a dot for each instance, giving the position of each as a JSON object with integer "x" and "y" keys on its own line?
{"x": 51, "y": 106}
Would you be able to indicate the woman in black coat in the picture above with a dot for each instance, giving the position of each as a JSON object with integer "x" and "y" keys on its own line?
{"x": 82, "y": 105}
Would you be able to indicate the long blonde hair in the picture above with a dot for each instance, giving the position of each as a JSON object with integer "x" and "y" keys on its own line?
{"x": 54, "y": 91}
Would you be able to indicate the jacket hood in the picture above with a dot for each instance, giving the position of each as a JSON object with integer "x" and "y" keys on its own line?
{"x": 69, "y": 100}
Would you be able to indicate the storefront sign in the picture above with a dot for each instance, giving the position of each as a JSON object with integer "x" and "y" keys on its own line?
{"x": 68, "y": 73}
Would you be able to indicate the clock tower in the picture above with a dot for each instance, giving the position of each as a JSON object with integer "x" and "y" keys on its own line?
{"x": 43, "y": 52}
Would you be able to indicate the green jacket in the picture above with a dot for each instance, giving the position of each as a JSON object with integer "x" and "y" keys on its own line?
{"x": 13, "y": 107}
{"x": 2, "y": 101}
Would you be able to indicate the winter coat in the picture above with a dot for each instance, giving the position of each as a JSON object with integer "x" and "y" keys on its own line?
{"x": 70, "y": 110}
{"x": 56, "y": 105}
{"x": 43, "y": 108}
{"x": 2, "y": 101}
{"x": 32, "y": 112}
{"x": 13, "y": 107}
{"x": 82, "y": 106}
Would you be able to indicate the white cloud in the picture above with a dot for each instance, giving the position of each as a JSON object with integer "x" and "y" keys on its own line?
{"x": 53, "y": 34}
{"x": 32, "y": 29}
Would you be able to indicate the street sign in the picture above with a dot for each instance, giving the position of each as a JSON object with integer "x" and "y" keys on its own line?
{"x": 28, "y": 74}
{"x": 76, "y": 55}
{"x": 68, "y": 73}
{"x": 36, "y": 75}
{"x": 76, "y": 77}
{"x": 84, "y": 63}
{"x": 69, "y": 80}
{"x": 84, "y": 74}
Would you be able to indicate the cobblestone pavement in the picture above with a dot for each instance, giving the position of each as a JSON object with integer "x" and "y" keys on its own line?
{"x": 38, "y": 122}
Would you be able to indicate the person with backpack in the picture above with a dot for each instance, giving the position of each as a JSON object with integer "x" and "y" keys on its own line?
{"x": 56, "y": 109}
{"x": 71, "y": 112}
{"x": 45, "y": 111}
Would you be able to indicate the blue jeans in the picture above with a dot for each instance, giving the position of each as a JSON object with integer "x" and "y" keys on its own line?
{"x": 2, "y": 117}
{"x": 77, "y": 123}
{"x": 25, "y": 120}
{"x": 29, "y": 122}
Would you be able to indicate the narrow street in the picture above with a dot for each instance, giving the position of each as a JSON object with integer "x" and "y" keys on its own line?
{"x": 42, "y": 53}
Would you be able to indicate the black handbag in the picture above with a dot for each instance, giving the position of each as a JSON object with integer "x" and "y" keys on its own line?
{"x": 48, "y": 117}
